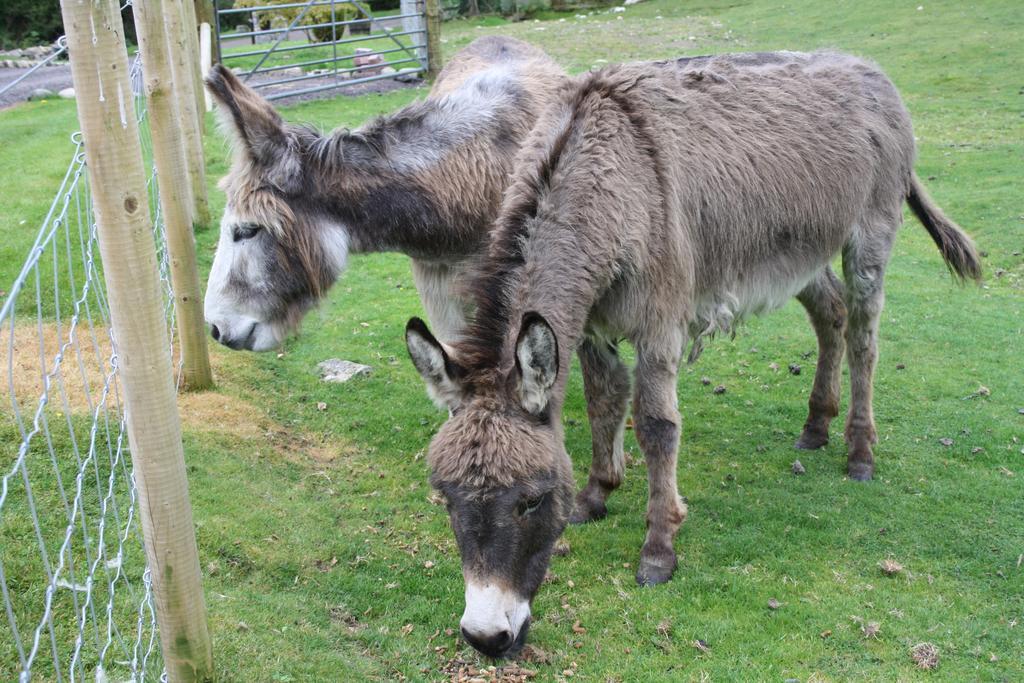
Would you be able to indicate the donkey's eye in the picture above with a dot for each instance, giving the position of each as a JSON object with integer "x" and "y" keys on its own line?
{"x": 245, "y": 231}
{"x": 527, "y": 506}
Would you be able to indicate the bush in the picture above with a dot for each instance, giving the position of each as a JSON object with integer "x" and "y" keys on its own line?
{"x": 524, "y": 7}
{"x": 343, "y": 11}
{"x": 24, "y": 23}
{"x": 318, "y": 14}
{"x": 29, "y": 22}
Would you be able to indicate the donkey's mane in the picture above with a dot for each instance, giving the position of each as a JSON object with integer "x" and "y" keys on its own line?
{"x": 491, "y": 285}
{"x": 421, "y": 130}
{"x": 372, "y": 142}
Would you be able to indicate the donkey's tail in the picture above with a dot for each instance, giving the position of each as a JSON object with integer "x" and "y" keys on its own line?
{"x": 957, "y": 248}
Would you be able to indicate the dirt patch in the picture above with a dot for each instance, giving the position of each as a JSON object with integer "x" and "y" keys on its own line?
{"x": 80, "y": 376}
{"x": 85, "y": 367}
{"x": 461, "y": 671}
{"x": 246, "y": 424}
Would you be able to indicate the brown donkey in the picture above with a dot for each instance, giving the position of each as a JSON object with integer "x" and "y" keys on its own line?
{"x": 426, "y": 181}
{"x": 660, "y": 203}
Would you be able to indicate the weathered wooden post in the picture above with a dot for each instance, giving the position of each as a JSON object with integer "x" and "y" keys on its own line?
{"x": 206, "y": 13}
{"x": 205, "y": 61}
{"x": 172, "y": 176}
{"x": 178, "y": 42}
{"x": 192, "y": 33}
{"x": 99, "y": 67}
{"x": 433, "y": 11}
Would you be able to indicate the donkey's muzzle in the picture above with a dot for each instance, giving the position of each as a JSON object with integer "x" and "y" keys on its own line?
{"x": 244, "y": 341}
{"x": 500, "y": 644}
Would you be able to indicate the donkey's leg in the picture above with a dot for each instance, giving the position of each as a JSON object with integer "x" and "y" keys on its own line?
{"x": 865, "y": 256}
{"x": 657, "y": 423}
{"x": 445, "y": 312}
{"x": 823, "y": 299}
{"x": 606, "y": 385}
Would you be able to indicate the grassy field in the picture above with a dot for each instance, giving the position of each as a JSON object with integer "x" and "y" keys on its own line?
{"x": 326, "y": 559}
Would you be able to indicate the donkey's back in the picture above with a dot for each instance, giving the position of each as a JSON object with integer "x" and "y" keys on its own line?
{"x": 533, "y": 66}
{"x": 778, "y": 160}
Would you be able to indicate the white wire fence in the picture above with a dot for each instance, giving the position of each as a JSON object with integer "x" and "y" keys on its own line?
{"x": 77, "y": 598}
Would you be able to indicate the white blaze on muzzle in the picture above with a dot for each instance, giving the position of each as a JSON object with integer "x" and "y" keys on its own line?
{"x": 491, "y": 610}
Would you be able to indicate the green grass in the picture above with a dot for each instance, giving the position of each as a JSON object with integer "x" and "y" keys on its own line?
{"x": 272, "y": 517}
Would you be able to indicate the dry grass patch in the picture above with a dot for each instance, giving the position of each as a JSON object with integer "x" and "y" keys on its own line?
{"x": 247, "y": 425}
{"x": 30, "y": 353}
{"x": 77, "y": 382}
{"x": 925, "y": 655}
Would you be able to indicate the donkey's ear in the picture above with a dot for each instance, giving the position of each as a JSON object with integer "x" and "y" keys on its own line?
{"x": 537, "y": 362}
{"x": 434, "y": 365}
{"x": 257, "y": 127}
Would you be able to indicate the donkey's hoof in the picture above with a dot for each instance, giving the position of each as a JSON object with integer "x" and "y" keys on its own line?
{"x": 587, "y": 510}
{"x": 811, "y": 440}
{"x": 656, "y": 568}
{"x": 860, "y": 471}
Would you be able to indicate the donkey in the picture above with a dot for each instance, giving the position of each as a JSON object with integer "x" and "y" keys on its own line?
{"x": 660, "y": 203}
{"x": 426, "y": 181}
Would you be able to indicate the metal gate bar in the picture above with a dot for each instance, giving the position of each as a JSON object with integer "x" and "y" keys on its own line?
{"x": 314, "y": 62}
{"x": 292, "y": 48}
{"x": 330, "y": 86}
{"x": 339, "y": 71}
{"x": 303, "y": 27}
{"x": 292, "y": 5}
{"x": 412, "y": 23}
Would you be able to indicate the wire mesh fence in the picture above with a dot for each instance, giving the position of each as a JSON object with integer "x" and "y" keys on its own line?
{"x": 77, "y": 598}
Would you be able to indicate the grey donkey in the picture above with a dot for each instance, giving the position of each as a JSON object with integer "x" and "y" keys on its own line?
{"x": 659, "y": 203}
{"x": 425, "y": 181}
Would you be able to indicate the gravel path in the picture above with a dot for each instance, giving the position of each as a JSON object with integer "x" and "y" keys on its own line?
{"x": 54, "y": 78}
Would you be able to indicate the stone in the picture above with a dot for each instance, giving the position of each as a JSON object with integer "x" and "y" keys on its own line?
{"x": 368, "y": 65}
{"x": 67, "y": 93}
{"x": 41, "y": 94}
{"x": 408, "y": 75}
{"x": 338, "y": 370}
{"x": 388, "y": 70}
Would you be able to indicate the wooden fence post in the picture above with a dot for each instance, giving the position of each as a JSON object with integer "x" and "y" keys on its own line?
{"x": 172, "y": 176}
{"x": 433, "y": 11}
{"x": 99, "y": 67}
{"x": 206, "y": 13}
{"x": 184, "y": 86}
{"x": 205, "y": 62}
{"x": 192, "y": 33}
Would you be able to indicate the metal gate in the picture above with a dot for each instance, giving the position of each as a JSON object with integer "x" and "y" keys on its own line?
{"x": 298, "y": 48}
